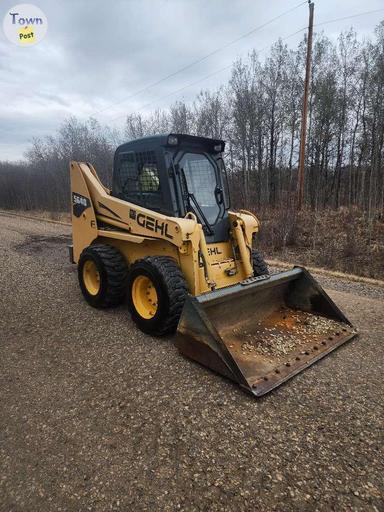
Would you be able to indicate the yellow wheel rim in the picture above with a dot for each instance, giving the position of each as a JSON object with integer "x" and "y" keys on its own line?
{"x": 144, "y": 297}
{"x": 91, "y": 277}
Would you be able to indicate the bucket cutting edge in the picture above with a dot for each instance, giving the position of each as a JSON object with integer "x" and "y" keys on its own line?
{"x": 260, "y": 334}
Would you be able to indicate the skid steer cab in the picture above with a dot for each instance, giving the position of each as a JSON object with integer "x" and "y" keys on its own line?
{"x": 165, "y": 241}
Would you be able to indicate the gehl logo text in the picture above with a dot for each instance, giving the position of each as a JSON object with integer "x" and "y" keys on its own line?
{"x": 214, "y": 251}
{"x": 145, "y": 221}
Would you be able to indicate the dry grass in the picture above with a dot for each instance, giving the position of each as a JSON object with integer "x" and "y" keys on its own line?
{"x": 342, "y": 240}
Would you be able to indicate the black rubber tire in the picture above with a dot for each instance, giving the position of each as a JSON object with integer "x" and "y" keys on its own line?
{"x": 260, "y": 268}
{"x": 171, "y": 290}
{"x": 113, "y": 273}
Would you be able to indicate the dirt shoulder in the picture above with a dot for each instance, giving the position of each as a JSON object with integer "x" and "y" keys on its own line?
{"x": 94, "y": 415}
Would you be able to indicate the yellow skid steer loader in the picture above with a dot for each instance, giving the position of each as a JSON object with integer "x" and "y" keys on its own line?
{"x": 165, "y": 240}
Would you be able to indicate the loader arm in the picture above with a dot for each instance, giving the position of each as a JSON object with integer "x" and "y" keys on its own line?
{"x": 125, "y": 216}
{"x": 96, "y": 214}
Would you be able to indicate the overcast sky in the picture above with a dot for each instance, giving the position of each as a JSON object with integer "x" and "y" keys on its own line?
{"x": 98, "y": 53}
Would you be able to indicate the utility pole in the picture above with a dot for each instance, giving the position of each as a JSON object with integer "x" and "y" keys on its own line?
{"x": 303, "y": 133}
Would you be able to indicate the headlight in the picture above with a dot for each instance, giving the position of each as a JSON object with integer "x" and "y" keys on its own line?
{"x": 172, "y": 140}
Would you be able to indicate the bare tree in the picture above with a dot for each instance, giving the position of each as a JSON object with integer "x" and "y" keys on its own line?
{"x": 258, "y": 113}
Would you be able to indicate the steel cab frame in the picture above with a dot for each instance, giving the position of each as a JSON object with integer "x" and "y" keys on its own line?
{"x": 175, "y": 174}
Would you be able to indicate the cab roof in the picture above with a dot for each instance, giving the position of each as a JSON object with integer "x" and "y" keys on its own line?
{"x": 155, "y": 141}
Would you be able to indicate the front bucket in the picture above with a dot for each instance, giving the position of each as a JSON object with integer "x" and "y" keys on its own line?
{"x": 264, "y": 330}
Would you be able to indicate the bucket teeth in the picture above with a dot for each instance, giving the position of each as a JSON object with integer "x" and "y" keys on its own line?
{"x": 263, "y": 332}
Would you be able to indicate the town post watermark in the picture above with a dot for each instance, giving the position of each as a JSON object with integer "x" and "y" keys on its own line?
{"x": 25, "y": 24}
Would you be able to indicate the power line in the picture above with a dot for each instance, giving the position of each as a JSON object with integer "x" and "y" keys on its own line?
{"x": 201, "y": 59}
{"x": 174, "y": 92}
{"x": 198, "y": 81}
{"x": 230, "y": 65}
{"x": 348, "y": 17}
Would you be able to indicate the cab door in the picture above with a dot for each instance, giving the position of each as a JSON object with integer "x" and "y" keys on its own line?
{"x": 204, "y": 194}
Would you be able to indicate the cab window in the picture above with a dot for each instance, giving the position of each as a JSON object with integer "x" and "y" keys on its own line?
{"x": 201, "y": 181}
{"x": 149, "y": 180}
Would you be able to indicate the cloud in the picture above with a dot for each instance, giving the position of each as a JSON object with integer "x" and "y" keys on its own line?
{"x": 96, "y": 54}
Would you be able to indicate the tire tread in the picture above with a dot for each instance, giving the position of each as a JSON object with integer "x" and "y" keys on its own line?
{"x": 260, "y": 268}
{"x": 116, "y": 271}
{"x": 176, "y": 289}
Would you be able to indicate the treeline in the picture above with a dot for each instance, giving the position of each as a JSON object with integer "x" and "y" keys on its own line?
{"x": 41, "y": 182}
{"x": 258, "y": 113}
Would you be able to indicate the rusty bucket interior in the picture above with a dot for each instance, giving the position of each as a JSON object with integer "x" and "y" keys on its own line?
{"x": 264, "y": 330}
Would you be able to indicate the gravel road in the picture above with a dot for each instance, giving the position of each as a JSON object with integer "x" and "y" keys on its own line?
{"x": 95, "y": 415}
